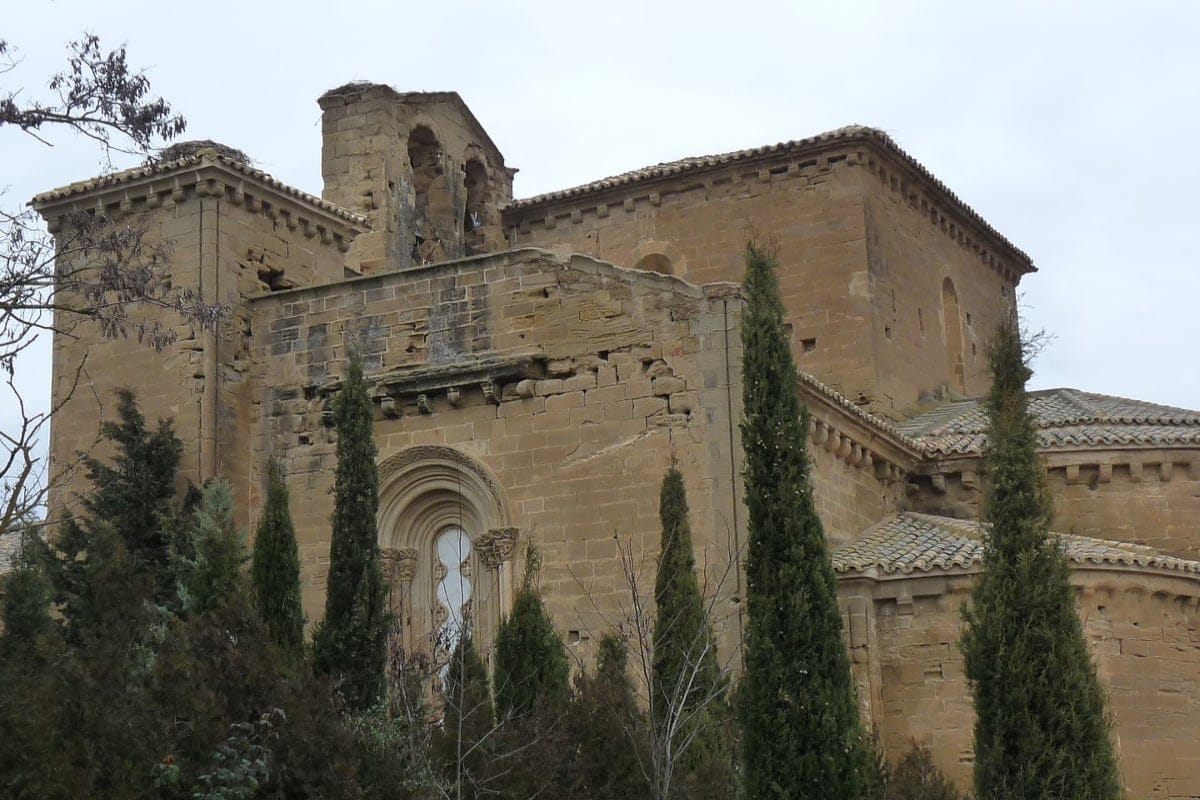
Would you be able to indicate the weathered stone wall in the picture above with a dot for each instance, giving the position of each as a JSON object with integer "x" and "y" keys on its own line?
{"x": 910, "y": 257}
{"x": 863, "y": 253}
{"x": 88, "y": 369}
{"x": 599, "y": 379}
{"x": 1142, "y": 628}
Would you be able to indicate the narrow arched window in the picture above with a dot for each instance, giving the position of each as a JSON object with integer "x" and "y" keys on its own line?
{"x": 447, "y": 549}
{"x": 453, "y": 589}
{"x": 475, "y": 184}
{"x": 952, "y": 333}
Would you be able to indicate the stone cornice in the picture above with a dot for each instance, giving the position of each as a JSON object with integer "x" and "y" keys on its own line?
{"x": 203, "y": 175}
{"x": 1087, "y": 578}
{"x": 853, "y": 146}
{"x": 1086, "y": 466}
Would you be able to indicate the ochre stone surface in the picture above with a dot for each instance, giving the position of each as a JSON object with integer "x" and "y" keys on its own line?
{"x": 1142, "y": 629}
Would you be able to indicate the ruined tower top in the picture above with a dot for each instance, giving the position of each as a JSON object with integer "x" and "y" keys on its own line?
{"x": 420, "y": 167}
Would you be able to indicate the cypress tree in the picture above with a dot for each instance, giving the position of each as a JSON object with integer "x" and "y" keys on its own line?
{"x": 801, "y": 733}
{"x": 686, "y": 691}
{"x": 350, "y": 643}
{"x": 1040, "y": 727}
{"x": 275, "y": 570}
{"x": 531, "y": 661}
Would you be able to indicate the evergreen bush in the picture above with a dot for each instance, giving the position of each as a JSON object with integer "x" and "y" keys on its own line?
{"x": 531, "y": 660}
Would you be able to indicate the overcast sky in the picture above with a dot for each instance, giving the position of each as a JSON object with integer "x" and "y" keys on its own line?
{"x": 1068, "y": 126}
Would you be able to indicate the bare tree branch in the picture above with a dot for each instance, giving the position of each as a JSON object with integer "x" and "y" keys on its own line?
{"x": 97, "y": 95}
{"x": 96, "y": 269}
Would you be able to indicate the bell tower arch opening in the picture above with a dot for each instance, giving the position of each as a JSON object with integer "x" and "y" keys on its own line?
{"x": 475, "y": 210}
{"x": 432, "y": 202}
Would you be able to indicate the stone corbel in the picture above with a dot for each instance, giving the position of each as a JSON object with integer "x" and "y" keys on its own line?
{"x": 391, "y": 409}
{"x": 491, "y": 392}
{"x": 820, "y": 433}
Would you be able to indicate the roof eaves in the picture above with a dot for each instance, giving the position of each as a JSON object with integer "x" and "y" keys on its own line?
{"x": 880, "y": 425}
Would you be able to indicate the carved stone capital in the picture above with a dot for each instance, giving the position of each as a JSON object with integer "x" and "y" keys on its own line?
{"x": 398, "y": 564}
{"x": 497, "y": 546}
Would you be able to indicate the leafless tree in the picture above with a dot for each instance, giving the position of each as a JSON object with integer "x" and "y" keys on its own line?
{"x": 95, "y": 268}
{"x": 455, "y": 737}
{"x": 679, "y": 709}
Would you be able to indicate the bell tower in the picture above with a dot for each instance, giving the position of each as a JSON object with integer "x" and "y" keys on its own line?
{"x": 420, "y": 168}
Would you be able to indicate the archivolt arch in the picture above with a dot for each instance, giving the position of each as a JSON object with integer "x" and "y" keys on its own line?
{"x": 425, "y": 494}
{"x": 436, "y": 485}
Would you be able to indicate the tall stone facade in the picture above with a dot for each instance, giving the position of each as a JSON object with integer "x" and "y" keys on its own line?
{"x": 538, "y": 364}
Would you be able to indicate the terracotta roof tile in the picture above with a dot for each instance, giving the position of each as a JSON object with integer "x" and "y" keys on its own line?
{"x": 196, "y": 159}
{"x": 911, "y": 542}
{"x": 1067, "y": 419}
{"x": 684, "y": 166}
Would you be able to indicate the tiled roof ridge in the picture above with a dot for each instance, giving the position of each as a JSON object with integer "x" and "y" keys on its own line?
{"x": 963, "y": 545}
{"x": 694, "y": 163}
{"x": 959, "y": 426}
{"x": 118, "y": 178}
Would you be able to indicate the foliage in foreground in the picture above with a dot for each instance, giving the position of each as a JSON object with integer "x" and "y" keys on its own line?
{"x": 608, "y": 730}
{"x": 916, "y": 777}
{"x": 1041, "y": 729}
{"x": 801, "y": 733}
{"x": 158, "y": 678}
